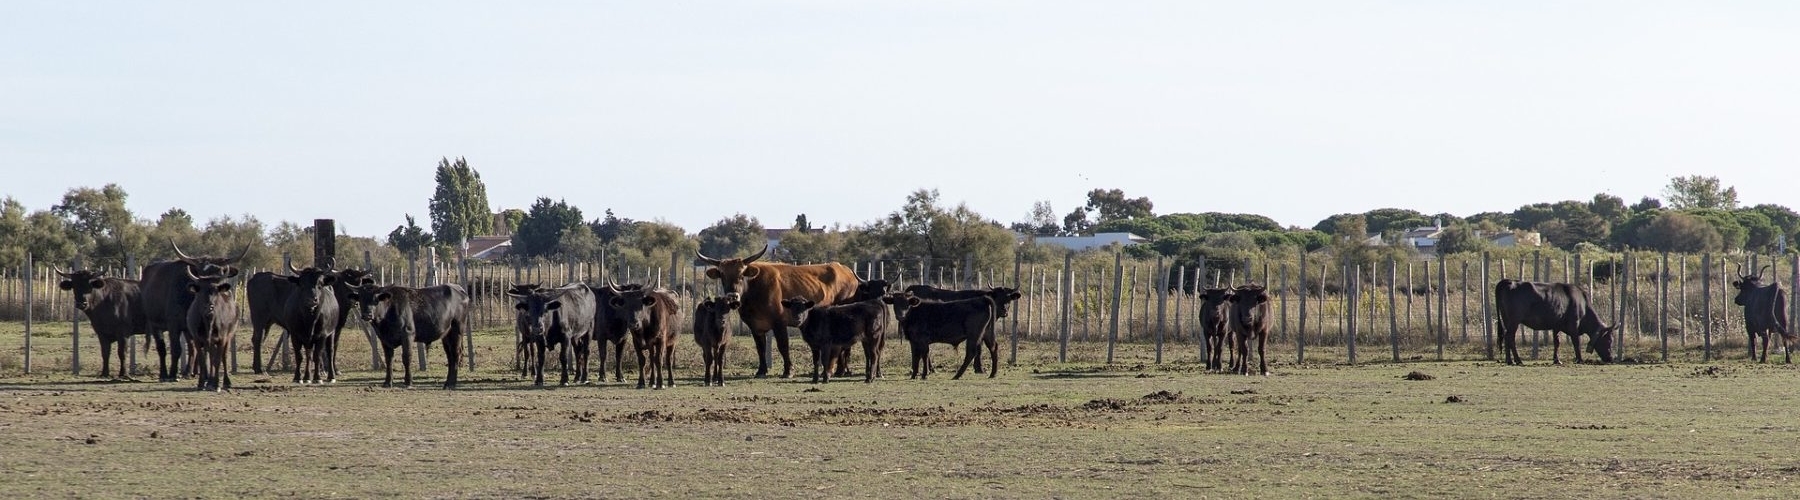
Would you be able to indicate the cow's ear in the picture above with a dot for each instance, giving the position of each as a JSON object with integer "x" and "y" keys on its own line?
{"x": 553, "y": 305}
{"x": 368, "y": 281}
{"x": 1014, "y": 296}
{"x": 751, "y": 272}
{"x": 224, "y": 287}
{"x": 328, "y": 279}
{"x": 1262, "y": 298}
{"x": 193, "y": 288}
{"x": 713, "y": 273}
{"x": 912, "y": 301}
{"x": 351, "y": 296}
{"x": 1231, "y": 298}
{"x": 616, "y": 301}
{"x": 649, "y": 300}
{"x": 66, "y": 285}
{"x": 520, "y": 306}
{"x": 382, "y": 296}
{"x": 231, "y": 271}
{"x": 97, "y": 283}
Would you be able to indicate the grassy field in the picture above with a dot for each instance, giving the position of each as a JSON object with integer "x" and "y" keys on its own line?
{"x": 1040, "y": 430}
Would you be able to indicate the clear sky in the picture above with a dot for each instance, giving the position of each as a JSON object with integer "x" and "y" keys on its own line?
{"x": 691, "y": 111}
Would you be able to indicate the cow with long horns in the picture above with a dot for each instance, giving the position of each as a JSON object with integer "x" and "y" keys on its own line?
{"x": 212, "y": 319}
{"x": 760, "y": 287}
{"x": 310, "y": 316}
{"x": 167, "y": 297}
{"x": 1765, "y": 313}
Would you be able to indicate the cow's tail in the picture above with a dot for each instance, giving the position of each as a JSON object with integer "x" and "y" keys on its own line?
{"x": 1781, "y": 319}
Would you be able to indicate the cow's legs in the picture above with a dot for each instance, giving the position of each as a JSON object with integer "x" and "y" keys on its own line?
{"x": 537, "y": 370}
{"x": 1765, "y": 348}
{"x": 1556, "y": 348}
{"x": 781, "y": 342}
{"x": 920, "y": 359}
{"x": 331, "y": 352}
{"x": 762, "y": 352}
{"x": 406, "y": 358}
{"x": 618, "y": 361}
{"x": 1262, "y": 344}
{"x": 453, "y": 353}
{"x": 257, "y": 334}
{"x": 387, "y": 354}
{"x": 993, "y": 346}
{"x": 871, "y": 358}
{"x": 972, "y": 351}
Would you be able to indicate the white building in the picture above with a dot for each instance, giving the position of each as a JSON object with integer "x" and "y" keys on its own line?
{"x": 1080, "y": 243}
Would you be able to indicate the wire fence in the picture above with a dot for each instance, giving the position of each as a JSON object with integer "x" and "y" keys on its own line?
{"x": 1664, "y": 306}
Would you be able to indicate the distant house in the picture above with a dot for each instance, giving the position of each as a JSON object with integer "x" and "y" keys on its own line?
{"x": 774, "y": 236}
{"x": 488, "y": 247}
{"x": 1425, "y": 239}
{"x": 1509, "y": 239}
{"x": 1080, "y": 243}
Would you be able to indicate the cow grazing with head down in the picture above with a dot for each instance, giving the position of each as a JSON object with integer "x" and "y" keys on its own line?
{"x": 649, "y": 315}
{"x": 1250, "y": 321}
{"x": 927, "y": 322}
{"x": 832, "y": 330}
{"x": 403, "y": 316}
{"x": 1002, "y": 296}
{"x": 761, "y": 286}
{"x": 310, "y": 317}
{"x": 609, "y": 327}
{"x": 563, "y": 317}
{"x": 1215, "y": 326}
{"x": 1765, "y": 312}
{"x": 167, "y": 297}
{"x": 211, "y": 319}
{"x": 1558, "y": 307}
{"x": 115, "y": 311}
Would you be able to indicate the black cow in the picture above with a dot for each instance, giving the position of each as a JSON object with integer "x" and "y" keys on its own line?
{"x": 563, "y": 317}
{"x": 831, "y": 331}
{"x": 1250, "y": 320}
{"x": 609, "y": 327}
{"x": 1558, "y": 307}
{"x": 713, "y": 335}
{"x": 403, "y": 316}
{"x": 926, "y": 322}
{"x": 115, "y": 311}
{"x": 266, "y": 293}
{"x": 343, "y": 287}
{"x": 650, "y": 317}
{"x": 1765, "y": 313}
{"x": 1215, "y": 326}
{"x": 524, "y": 355}
{"x": 1002, "y": 296}
{"x": 211, "y": 320}
{"x": 166, "y": 299}
{"x": 310, "y": 316}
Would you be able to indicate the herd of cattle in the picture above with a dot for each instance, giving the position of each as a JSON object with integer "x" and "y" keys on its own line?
{"x": 190, "y": 300}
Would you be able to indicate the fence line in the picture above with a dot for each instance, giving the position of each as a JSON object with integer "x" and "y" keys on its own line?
{"x": 1155, "y": 303}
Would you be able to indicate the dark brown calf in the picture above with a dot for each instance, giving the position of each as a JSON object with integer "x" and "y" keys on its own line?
{"x": 1215, "y": 326}
{"x": 711, "y": 332}
{"x": 1249, "y": 321}
{"x": 649, "y": 315}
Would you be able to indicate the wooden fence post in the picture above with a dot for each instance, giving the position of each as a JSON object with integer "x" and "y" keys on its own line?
{"x": 1068, "y": 279}
{"x": 1112, "y": 333}
{"x": 1487, "y": 304}
{"x": 1162, "y": 298}
{"x": 1706, "y": 306}
{"x": 1393, "y": 313}
{"x": 29, "y": 271}
{"x": 1299, "y": 337}
{"x": 1352, "y": 275}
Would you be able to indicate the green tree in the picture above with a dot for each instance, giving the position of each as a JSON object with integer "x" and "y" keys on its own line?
{"x": 1698, "y": 191}
{"x": 659, "y": 244}
{"x": 1111, "y": 204}
{"x": 815, "y": 246}
{"x": 101, "y": 225}
{"x": 409, "y": 238}
{"x": 612, "y": 228}
{"x": 733, "y": 236}
{"x": 922, "y": 229}
{"x": 1681, "y": 233}
{"x": 512, "y": 217}
{"x": 543, "y": 228}
{"x": 1077, "y": 223}
{"x": 1461, "y": 238}
{"x": 14, "y": 231}
{"x": 1040, "y": 222}
{"x": 1646, "y": 204}
{"x": 801, "y": 225}
{"x": 1609, "y": 207}
{"x": 459, "y": 208}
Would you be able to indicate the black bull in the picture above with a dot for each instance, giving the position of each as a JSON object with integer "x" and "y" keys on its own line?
{"x": 166, "y": 298}
{"x": 1558, "y": 307}
{"x": 1765, "y": 313}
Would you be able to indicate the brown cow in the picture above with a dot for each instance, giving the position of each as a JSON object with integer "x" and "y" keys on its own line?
{"x": 711, "y": 332}
{"x": 761, "y": 286}
{"x": 649, "y": 316}
{"x": 1250, "y": 320}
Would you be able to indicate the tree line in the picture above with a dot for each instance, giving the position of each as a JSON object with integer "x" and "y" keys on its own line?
{"x": 1694, "y": 214}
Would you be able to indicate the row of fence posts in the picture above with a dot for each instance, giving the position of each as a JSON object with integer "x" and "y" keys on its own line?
{"x": 1624, "y": 309}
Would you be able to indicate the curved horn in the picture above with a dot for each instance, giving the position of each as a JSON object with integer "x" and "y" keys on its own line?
{"x": 291, "y": 270}
{"x": 178, "y": 253}
{"x": 190, "y": 272}
{"x": 759, "y": 254}
{"x": 63, "y": 274}
{"x": 704, "y": 258}
{"x": 240, "y": 255}
{"x": 1759, "y": 272}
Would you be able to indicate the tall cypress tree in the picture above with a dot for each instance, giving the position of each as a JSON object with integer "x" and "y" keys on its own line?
{"x": 459, "y": 208}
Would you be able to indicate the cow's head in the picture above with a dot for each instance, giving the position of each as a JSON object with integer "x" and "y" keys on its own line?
{"x": 870, "y": 290}
{"x": 793, "y": 309}
{"x": 87, "y": 285}
{"x": 1747, "y": 283}
{"x": 1245, "y": 301}
{"x": 1601, "y": 342}
{"x": 901, "y": 301}
{"x": 371, "y": 301}
{"x": 634, "y": 307}
{"x": 711, "y": 313}
{"x": 210, "y": 291}
{"x": 350, "y": 278}
{"x": 1002, "y": 296}
{"x": 312, "y": 286}
{"x": 733, "y": 274}
{"x": 209, "y": 266}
